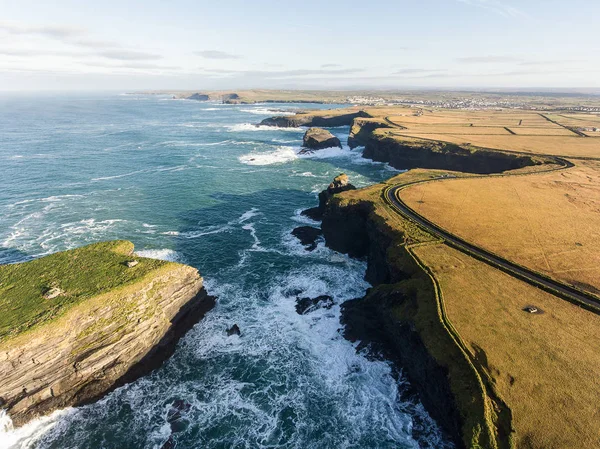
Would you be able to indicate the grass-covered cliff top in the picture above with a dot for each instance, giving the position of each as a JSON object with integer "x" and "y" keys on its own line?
{"x": 78, "y": 274}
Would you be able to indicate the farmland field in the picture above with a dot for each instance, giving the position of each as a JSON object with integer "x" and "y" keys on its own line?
{"x": 548, "y": 222}
{"x": 521, "y": 131}
{"x": 543, "y": 365}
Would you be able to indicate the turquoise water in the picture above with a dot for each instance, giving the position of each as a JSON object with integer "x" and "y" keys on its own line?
{"x": 197, "y": 183}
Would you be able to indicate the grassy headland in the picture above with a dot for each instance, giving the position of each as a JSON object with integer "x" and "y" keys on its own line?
{"x": 79, "y": 274}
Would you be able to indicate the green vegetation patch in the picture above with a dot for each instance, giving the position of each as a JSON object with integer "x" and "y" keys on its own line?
{"x": 76, "y": 275}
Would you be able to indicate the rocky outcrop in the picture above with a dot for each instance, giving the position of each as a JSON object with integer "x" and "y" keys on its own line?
{"x": 341, "y": 183}
{"x": 307, "y": 305}
{"x": 101, "y": 343}
{"x": 318, "y": 139}
{"x": 314, "y": 119}
{"x": 308, "y": 236}
{"x": 406, "y": 153}
{"x": 231, "y": 98}
{"x": 198, "y": 97}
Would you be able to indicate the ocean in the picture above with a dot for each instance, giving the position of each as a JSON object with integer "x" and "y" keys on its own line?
{"x": 198, "y": 183}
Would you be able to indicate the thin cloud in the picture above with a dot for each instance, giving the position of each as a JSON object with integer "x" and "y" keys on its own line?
{"x": 538, "y": 63}
{"x": 131, "y": 65}
{"x": 281, "y": 74}
{"x": 93, "y": 44}
{"x": 54, "y": 31}
{"x": 414, "y": 71}
{"x": 37, "y": 53}
{"x": 488, "y": 59}
{"x": 216, "y": 54}
{"x": 128, "y": 55}
{"x": 329, "y": 66}
{"x": 496, "y": 7}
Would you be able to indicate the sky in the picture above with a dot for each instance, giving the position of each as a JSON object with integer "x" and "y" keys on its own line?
{"x": 327, "y": 44}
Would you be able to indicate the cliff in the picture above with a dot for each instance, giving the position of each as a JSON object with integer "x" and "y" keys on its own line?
{"x": 327, "y": 118}
{"x": 406, "y": 152}
{"x": 111, "y": 322}
{"x": 361, "y": 130}
{"x": 402, "y": 317}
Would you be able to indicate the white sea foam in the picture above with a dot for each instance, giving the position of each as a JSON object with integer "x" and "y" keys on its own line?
{"x": 250, "y": 127}
{"x": 249, "y": 214}
{"x": 161, "y": 254}
{"x": 278, "y": 156}
{"x": 181, "y": 143}
{"x": 105, "y": 178}
{"x": 25, "y": 437}
{"x": 298, "y": 217}
{"x": 266, "y": 111}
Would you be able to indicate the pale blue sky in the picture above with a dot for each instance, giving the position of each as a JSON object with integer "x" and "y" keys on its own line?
{"x": 184, "y": 44}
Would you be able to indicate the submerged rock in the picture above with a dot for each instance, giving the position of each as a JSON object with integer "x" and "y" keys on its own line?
{"x": 233, "y": 330}
{"x": 318, "y": 139}
{"x": 308, "y": 236}
{"x": 306, "y": 305}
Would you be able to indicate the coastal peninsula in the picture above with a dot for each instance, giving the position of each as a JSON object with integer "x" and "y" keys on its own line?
{"x": 80, "y": 323}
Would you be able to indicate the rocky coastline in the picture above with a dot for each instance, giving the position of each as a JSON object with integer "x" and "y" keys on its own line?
{"x": 101, "y": 343}
{"x": 382, "y": 143}
{"x": 399, "y": 318}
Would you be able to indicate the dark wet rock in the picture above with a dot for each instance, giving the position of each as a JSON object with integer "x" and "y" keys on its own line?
{"x": 233, "y": 330}
{"x": 318, "y": 139}
{"x": 198, "y": 97}
{"x": 308, "y": 236}
{"x": 314, "y": 213}
{"x": 177, "y": 421}
{"x": 177, "y": 408}
{"x": 306, "y": 305}
{"x": 169, "y": 444}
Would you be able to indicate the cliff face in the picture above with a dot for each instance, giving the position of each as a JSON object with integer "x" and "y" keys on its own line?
{"x": 400, "y": 315}
{"x": 309, "y": 119}
{"x": 100, "y": 344}
{"x": 407, "y": 153}
{"x": 361, "y": 130}
{"x": 355, "y": 230}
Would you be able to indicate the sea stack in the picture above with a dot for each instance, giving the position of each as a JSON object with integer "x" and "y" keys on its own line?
{"x": 318, "y": 139}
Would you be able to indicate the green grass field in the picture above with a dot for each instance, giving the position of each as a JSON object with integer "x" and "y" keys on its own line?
{"x": 81, "y": 273}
